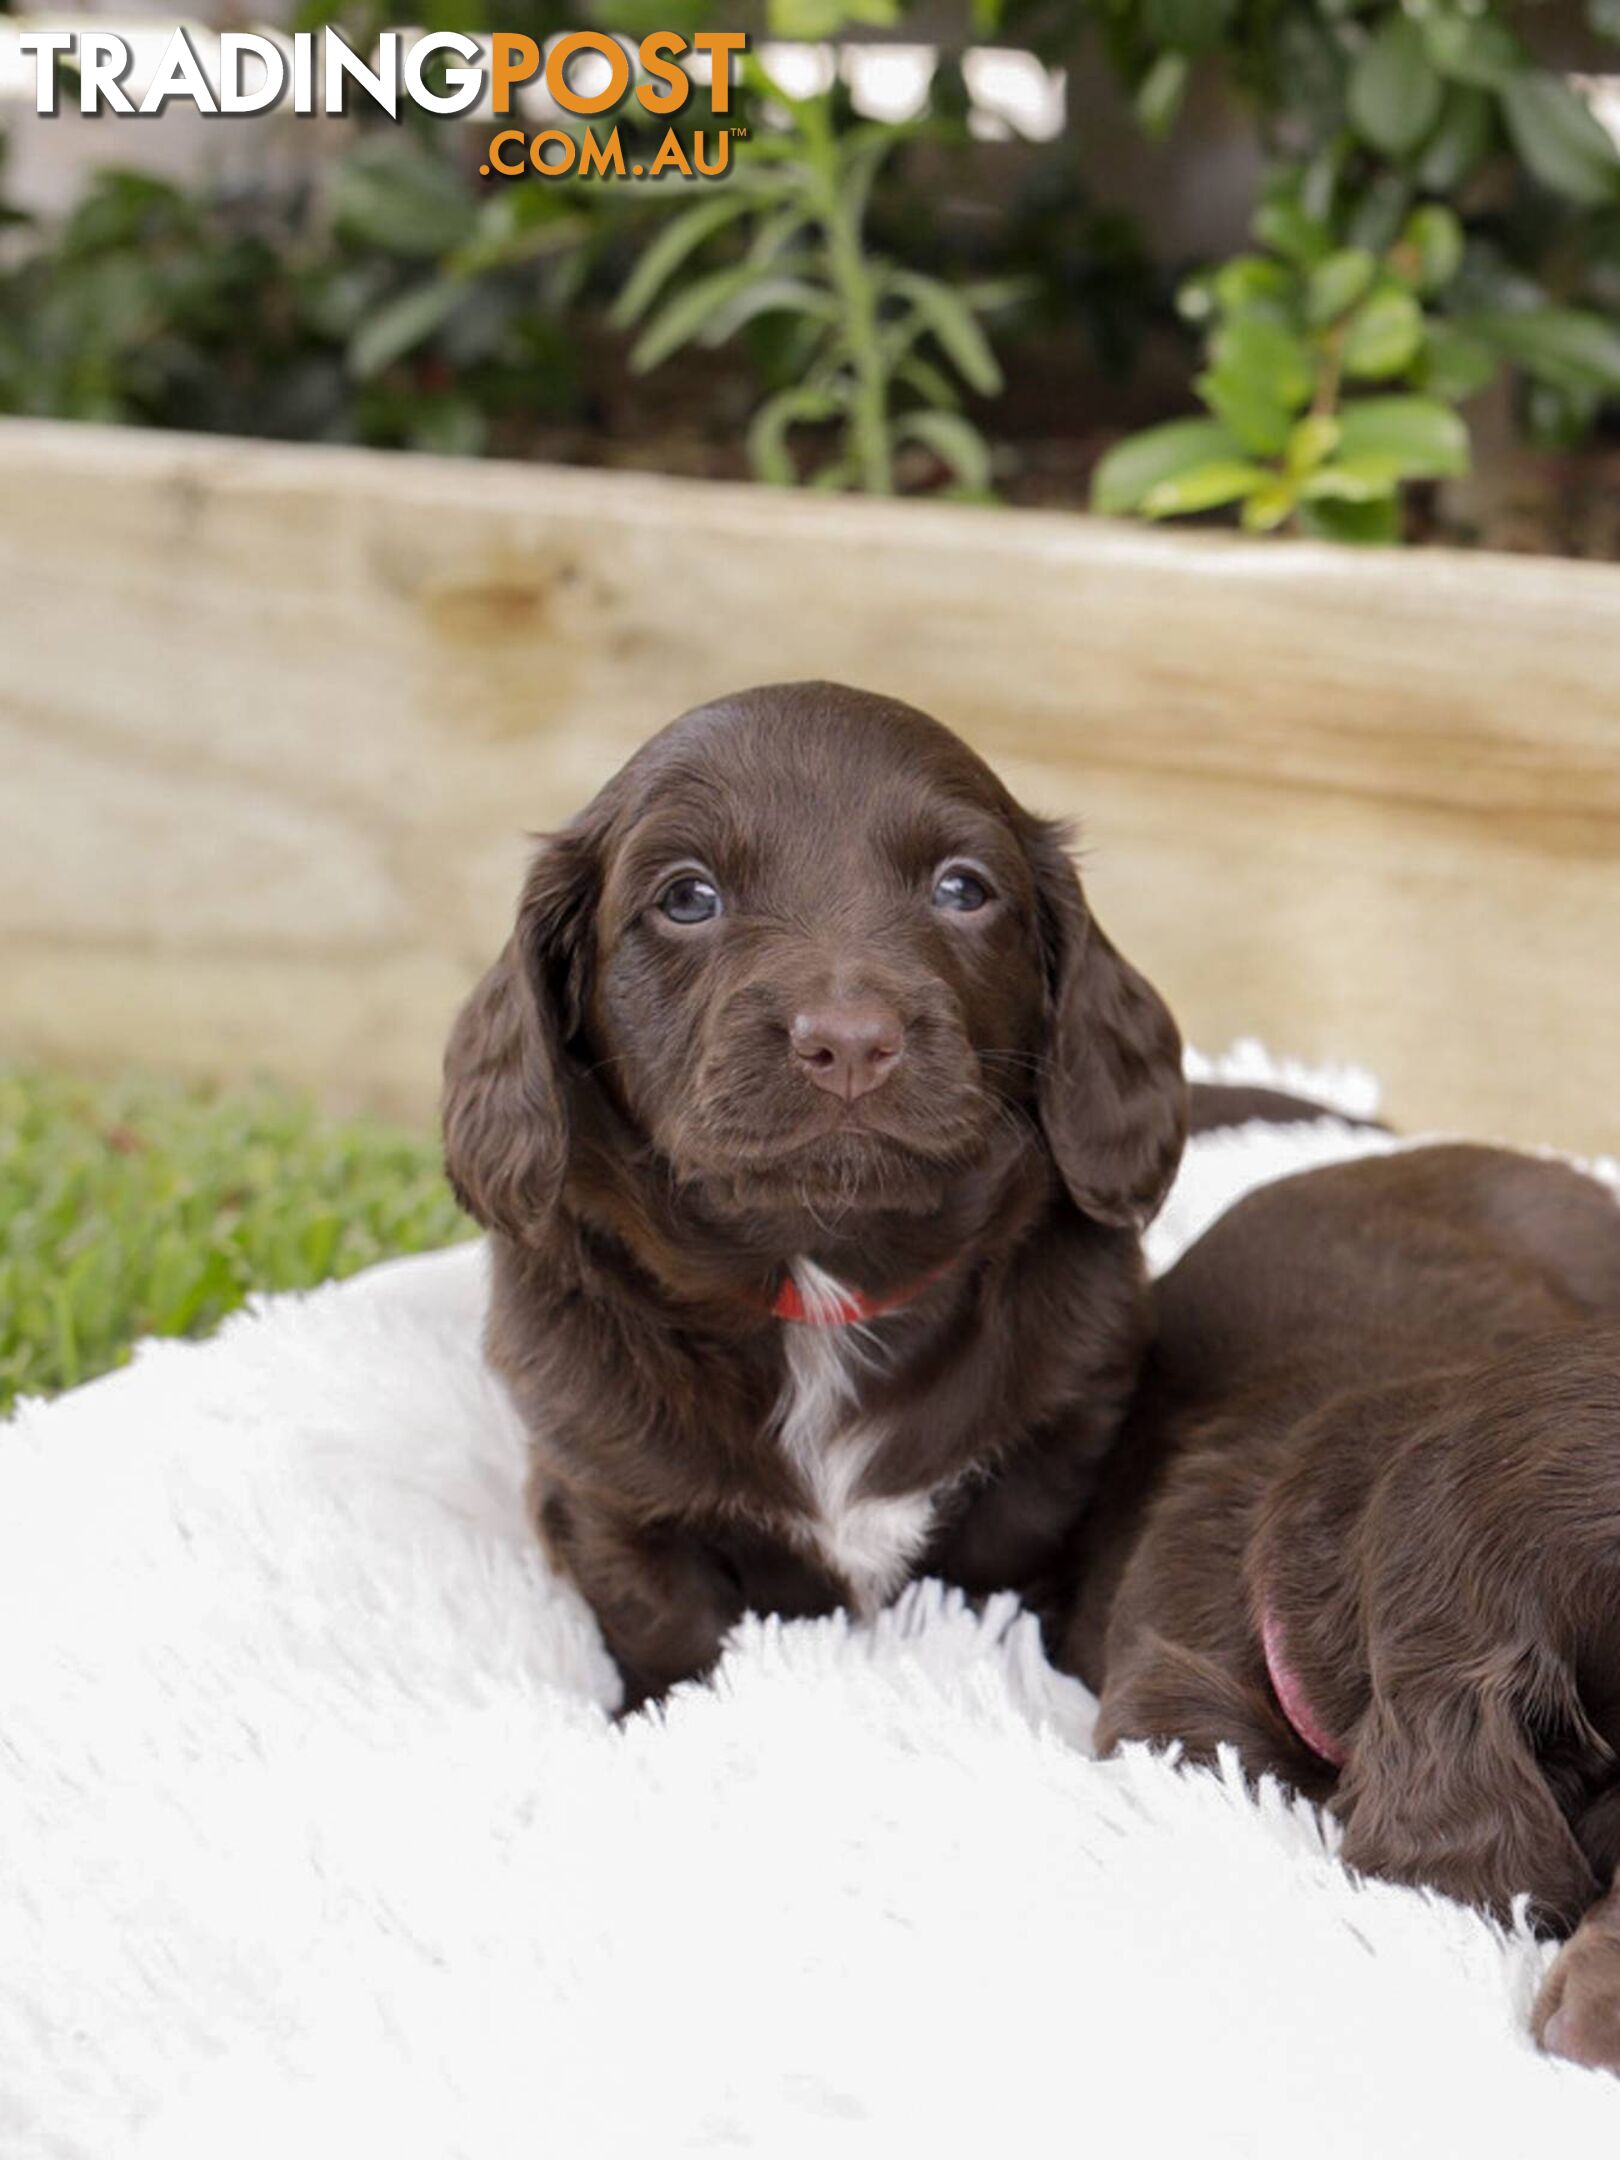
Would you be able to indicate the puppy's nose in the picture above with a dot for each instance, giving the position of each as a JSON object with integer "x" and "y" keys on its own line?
{"x": 848, "y": 1049}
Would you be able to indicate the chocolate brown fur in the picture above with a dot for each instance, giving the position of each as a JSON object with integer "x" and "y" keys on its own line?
{"x": 626, "y": 1110}
{"x": 1384, "y": 1409}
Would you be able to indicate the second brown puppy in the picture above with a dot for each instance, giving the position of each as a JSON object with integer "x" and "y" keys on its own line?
{"x": 1364, "y": 1525}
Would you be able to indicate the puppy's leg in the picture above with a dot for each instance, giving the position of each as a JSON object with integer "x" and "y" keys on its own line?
{"x": 662, "y": 1598}
{"x": 1443, "y": 1790}
{"x": 1159, "y": 1691}
{"x": 1014, "y": 1532}
{"x": 1577, "y": 2013}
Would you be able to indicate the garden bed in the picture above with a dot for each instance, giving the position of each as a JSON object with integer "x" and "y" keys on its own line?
{"x": 1051, "y": 429}
{"x": 273, "y": 722}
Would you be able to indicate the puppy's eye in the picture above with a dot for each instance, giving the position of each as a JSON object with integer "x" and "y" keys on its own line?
{"x": 689, "y": 899}
{"x": 961, "y": 890}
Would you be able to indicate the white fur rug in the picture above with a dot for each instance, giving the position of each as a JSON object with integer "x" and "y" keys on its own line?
{"x": 315, "y": 1838}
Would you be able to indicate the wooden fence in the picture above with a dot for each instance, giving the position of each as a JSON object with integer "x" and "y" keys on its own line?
{"x": 273, "y": 722}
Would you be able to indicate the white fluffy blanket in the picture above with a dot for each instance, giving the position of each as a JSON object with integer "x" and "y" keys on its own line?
{"x": 316, "y": 1839}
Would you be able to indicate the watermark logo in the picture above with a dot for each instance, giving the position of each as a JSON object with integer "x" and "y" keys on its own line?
{"x": 584, "y": 75}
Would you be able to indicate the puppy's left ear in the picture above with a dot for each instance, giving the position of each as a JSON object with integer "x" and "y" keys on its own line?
{"x": 1112, "y": 1098}
{"x": 508, "y": 1077}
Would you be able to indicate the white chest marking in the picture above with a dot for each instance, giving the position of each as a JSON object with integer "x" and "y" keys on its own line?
{"x": 871, "y": 1543}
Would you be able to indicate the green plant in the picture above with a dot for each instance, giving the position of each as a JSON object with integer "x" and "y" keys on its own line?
{"x": 1439, "y": 205}
{"x": 140, "y": 1207}
{"x": 877, "y": 353}
{"x": 1294, "y": 335}
{"x": 1445, "y": 204}
{"x": 394, "y": 303}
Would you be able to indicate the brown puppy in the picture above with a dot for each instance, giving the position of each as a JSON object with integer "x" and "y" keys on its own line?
{"x": 815, "y": 1118}
{"x": 1364, "y": 1524}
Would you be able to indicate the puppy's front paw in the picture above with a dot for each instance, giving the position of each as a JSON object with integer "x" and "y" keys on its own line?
{"x": 1578, "y": 2013}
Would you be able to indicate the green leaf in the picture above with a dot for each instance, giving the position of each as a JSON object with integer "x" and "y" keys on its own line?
{"x": 1376, "y": 217}
{"x": 1285, "y": 226}
{"x": 1458, "y": 143}
{"x": 1205, "y": 487}
{"x": 1312, "y": 442}
{"x": 1453, "y": 365}
{"x": 836, "y": 474}
{"x": 1160, "y": 94}
{"x": 988, "y": 296}
{"x": 517, "y": 225}
{"x": 957, "y": 442}
{"x": 1247, "y": 407}
{"x": 930, "y": 383}
{"x": 1306, "y": 58}
{"x": 401, "y": 326}
{"x": 1604, "y": 17}
{"x": 1269, "y": 506}
{"x": 1269, "y": 356}
{"x": 1394, "y": 95}
{"x": 1426, "y": 439}
{"x": 862, "y": 152}
{"x": 1567, "y": 347}
{"x": 774, "y": 233}
{"x": 1556, "y": 133}
{"x": 1374, "y": 524}
{"x": 1252, "y": 284}
{"x": 776, "y": 295}
{"x": 394, "y": 194}
{"x": 768, "y": 431}
{"x": 1143, "y": 462}
{"x": 1430, "y": 248}
{"x": 955, "y": 326}
{"x": 1383, "y": 336}
{"x": 682, "y": 317}
{"x": 680, "y": 237}
{"x": 1186, "y": 26}
{"x": 1336, "y": 284}
{"x": 713, "y": 307}
{"x": 1371, "y": 478}
{"x": 1473, "y": 49}
{"x": 825, "y": 18}
{"x": 1319, "y": 182}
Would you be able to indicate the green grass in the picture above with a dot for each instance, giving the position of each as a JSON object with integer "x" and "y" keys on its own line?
{"x": 141, "y": 1207}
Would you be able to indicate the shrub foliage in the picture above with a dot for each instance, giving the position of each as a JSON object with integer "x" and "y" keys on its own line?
{"x": 1439, "y": 205}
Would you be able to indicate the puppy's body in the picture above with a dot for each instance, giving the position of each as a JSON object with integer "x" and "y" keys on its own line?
{"x": 1364, "y": 1525}
{"x": 804, "y": 1008}
{"x": 695, "y": 1457}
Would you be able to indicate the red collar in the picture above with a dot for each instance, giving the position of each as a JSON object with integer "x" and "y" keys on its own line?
{"x": 1289, "y": 1690}
{"x": 850, "y": 1307}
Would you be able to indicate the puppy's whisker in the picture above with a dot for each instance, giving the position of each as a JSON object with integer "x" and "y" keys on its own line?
{"x": 1010, "y": 1118}
{"x": 601, "y": 1065}
{"x": 1034, "y": 1061}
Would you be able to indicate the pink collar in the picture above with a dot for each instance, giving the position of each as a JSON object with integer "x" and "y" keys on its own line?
{"x": 1290, "y": 1692}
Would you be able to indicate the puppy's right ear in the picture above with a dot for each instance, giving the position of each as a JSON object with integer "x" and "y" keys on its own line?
{"x": 506, "y": 1077}
{"x": 1113, "y": 1103}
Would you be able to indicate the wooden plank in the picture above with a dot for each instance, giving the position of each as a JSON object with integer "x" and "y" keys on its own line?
{"x": 272, "y": 722}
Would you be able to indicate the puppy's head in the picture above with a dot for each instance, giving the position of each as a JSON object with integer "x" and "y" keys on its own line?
{"x": 806, "y": 952}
